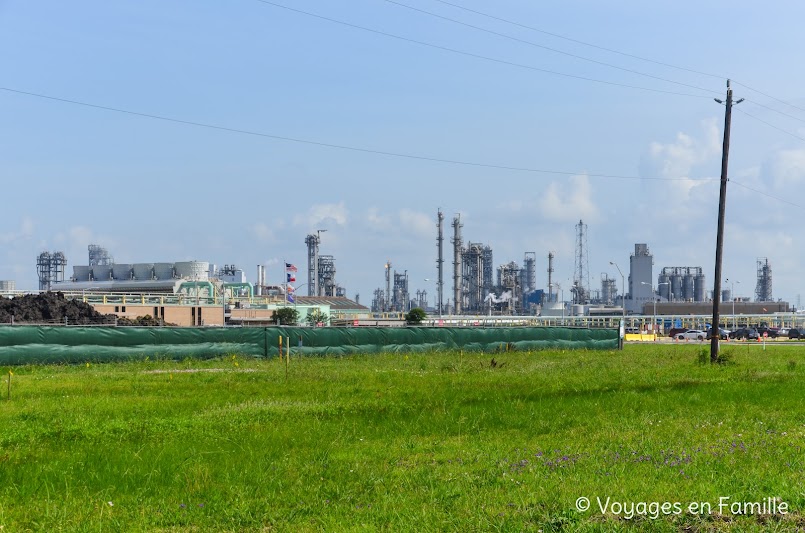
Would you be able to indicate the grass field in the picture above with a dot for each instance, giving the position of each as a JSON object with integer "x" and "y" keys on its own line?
{"x": 434, "y": 442}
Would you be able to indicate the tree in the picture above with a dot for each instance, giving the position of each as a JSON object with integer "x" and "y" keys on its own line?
{"x": 316, "y": 316}
{"x": 287, "y": 316}
{"x": 415, "y": 316}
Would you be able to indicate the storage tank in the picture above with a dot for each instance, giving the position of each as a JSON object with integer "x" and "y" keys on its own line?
{"x": 726, "y": 295}
{"x": 687, "y": 287}
{"x": 193, "y": 270}
{"x": 163, "y": 270}
{"x": 81, "y": 273}
{"x": 121, "y": 271}
{"x": 7, "y": 285}
{"x": 577, "y": 310}
{"x": 676, "y": 287}
{"x": 699, "y": 291}
{"x": 664, "y": 286}
{"x": 101, "y": 272}
{"x": 143, "y": 271}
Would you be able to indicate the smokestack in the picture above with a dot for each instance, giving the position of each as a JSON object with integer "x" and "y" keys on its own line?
{"x": 457, "y": 245}
{"x": 440, "y": 261}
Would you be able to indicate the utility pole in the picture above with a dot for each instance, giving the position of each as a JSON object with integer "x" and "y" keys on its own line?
{"x": 715, "y": 337}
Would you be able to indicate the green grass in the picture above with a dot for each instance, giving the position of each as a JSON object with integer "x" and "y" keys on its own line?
{"x": 434, "y": 442}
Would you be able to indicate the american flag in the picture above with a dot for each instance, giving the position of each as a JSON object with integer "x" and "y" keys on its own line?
{"x": 291, "y": 268}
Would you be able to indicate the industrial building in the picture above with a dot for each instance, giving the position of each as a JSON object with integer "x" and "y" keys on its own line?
{"x": 682, "y": 284}
{"x": 185, "y": 293}
{"x": 479, "y": 285}
{"x": 641, "y": 264}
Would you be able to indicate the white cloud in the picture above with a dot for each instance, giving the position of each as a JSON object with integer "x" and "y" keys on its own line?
{"x": 377, "y": 220}
{"x": 786, "y": 168}
{"x": 677, "y": 160}
{"x": 567, "y": 201}
{"x": 25, "y": 231}
{"x": 322, "y": 214}
{"x": 418, "y": 223}
{"x": 80, "y": 235}
{"x": 403, "y": 222}
{"x": 263, "y": 233}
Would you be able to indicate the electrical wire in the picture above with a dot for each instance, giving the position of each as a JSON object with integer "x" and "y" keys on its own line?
{"x": 783, "y": 113}
{"x": 769, "y": 96}
{"x": 555, "y": 50}
{"x": 769, "y": 124}
{"x": 343, "y": 146}
{"x": 763, "y": 193}
{"x": 577, "y": 41}
{"x": 624, "y": 54}
{"x": 477, "y": 56}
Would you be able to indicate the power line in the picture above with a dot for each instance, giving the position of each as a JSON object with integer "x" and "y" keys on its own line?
{"x": 476, "y": 56}
{"x": 342, "y": 146}
{"x": 771, "y": 125}
{"x": 618, "y": 52}
{"x": 577, "y": 41}
{"x": 763, "y": 193}
{"x": 776, "y": 111}
{"x": 555, "y": 50}
{"x": 770, "y": 96}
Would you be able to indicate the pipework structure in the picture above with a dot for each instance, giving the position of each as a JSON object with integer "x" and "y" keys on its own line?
{"x": 476, "y": 276}
{"x": 609, "y": 289}
{"x": 682, "y": 284}
{"x": 763, "y": 287}
{"x": 400, "y": 295}
{"x": 581, "y": 276}
{"x": 387, "y": 303}
{"x": 50, "y": 269}
{"x": 457, "y": 247}
{"x": 312, "y": 241}
{"x": 529, "y": 272}
{"x": 378, "y": 301}
{"x": 509, "y": 282}
{"x": 325, "y": 276}
{"x": 551, "y": 298}
{"x": 440, "y": 262}
{"x": 98, "y": 255}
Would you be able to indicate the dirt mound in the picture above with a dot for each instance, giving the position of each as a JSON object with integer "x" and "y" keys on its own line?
{"x": 49, "y": 308}
{"x": 146, "y": 320}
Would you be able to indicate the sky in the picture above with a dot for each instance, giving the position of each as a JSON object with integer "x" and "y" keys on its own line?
{"x": 228, "y": 131}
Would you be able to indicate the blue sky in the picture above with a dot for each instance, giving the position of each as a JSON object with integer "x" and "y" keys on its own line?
{"x": 152, "y": 190}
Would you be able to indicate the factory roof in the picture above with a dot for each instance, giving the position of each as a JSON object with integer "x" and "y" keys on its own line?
{"x": 336, "y": 303}
{"x": 143, "y": 286}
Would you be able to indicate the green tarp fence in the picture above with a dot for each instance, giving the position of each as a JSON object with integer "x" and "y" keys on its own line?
{"x": 45, "y": 344}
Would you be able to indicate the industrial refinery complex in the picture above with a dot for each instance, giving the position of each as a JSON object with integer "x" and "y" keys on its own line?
{"x": 471, "y": 284}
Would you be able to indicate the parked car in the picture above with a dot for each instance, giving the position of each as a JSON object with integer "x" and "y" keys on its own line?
{"x": 782, "y": 332}
{"x": 673, "y": 332}
{"x": 692, "y": 334}
{"x": 723, "y": 334}
{"x": 796, "y": 333}
{"x": 771, "y": 332}
{"x": 745, "y": 332}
